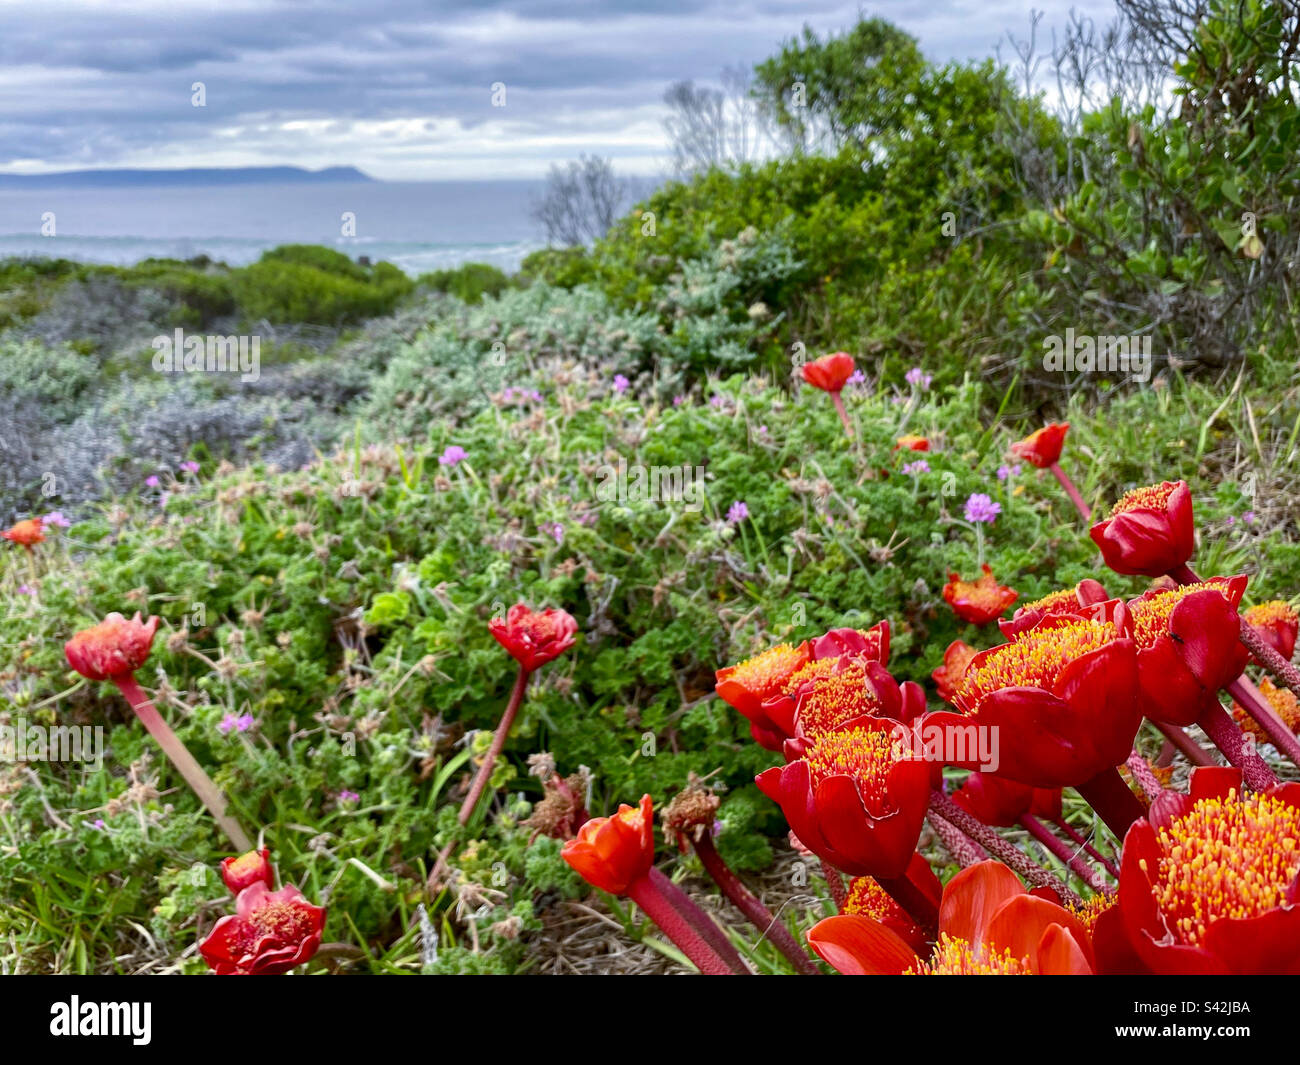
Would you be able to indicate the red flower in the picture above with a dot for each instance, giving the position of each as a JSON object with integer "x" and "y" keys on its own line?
{"x": 533, "y": 638}
{"x": 612, "y": 853}
{"x": 753, "y": 682}
{"x": 763, "y": 688}
{"x": 911, "y": 442}
{"x": 1042, "y": 448}
{"x": 1002, "y": 803}
{"x": 1210, "y": 881}
{"x": 1277, "y": 623}
{"x": 1149, "y": 531}
{"x": 830, "y": 373}
{"x": 269, "y": 933}
{"x": 246, "y": 870}
{"x": 988, "y": 924}
{"x": 1073, "y": 601}
{"x": 856, "y": 798}
{"x": 1062, "y": 697}
{"x": 846, "y": 688}
{"x": 868, "y": 899}
{"x": 1284, "y": 704}
{"x": 26, "y": 532}
{"x": 113, "y": 648}
{"x": 1188, "y": 647}
{"x": 955, "y": 660}
{"x": 978, "y": 601}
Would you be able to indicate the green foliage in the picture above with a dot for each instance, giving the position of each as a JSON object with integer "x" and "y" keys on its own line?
{"x": 301, "y": 283}
{"x": 469, "y": 282}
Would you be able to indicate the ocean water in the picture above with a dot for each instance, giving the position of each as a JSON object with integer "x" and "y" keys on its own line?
{"x": 418, "y": 226}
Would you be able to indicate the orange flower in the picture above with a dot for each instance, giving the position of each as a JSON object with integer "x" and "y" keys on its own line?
{"x": 830, "y": 373}
{"x": 1282, "y": 700}
{"x": 1042, "y": 448}
{"x": 613, "y": 853}
{"x": 115, "y": 647}
{"x": 1277, "y": 622}
{"x": 955, "y": 661}
{"x": 1075, "y": 601}
{"x": 912, "y": 443}
{"x": 27, "y": 532}
{"x": 978, "y": 601}
{"x": 988, "y": 925}
{"x": 753, "y": 682}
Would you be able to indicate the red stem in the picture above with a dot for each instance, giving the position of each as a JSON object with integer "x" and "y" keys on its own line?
{"x": 1192, "y": 751}
{"x": 499, "y": 738}
{"x": 964, "y": 852}
{"x": 844, "y": 416}
{"x": 1113, "y": 800}
{"x": 999, "y": 848}
{"x": 835, "y": 884}
{"x": 703, "y": 924}
{"x": 684, "y": 934}
{"x": 1141, "y": 772}
{"x": 1071, "y": 858}
{"x": 1085, "y": 511}
{"x": 1237, "y": 748}
{"x": 200, "y": 783}
{"x": 919, "y": 906}
{"x": 1267, "y": 656}
{"x": 1078, "y": 838}
{"x": 751, "y": 906}
{"x": 1248, "y": 697}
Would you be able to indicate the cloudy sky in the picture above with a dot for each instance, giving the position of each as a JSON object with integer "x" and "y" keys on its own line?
{"x": 403, "y": 88}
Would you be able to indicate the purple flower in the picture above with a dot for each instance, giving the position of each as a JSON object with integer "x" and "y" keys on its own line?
{"x": 190, "y": 467}
{"x": 762, "y": 430}
{"x": 454, "y": 454}
{"x": 620, "y": 383}
{"x": 737, "y": 512}
{"x": 716, "y": 401}
{"x": 857, "y": 377}
{"x": 980, "y": 507}
{"x": 26, "y": 589}
{"x": 55, "y": 517}
{"x": 912, "y": 469}
{"x": 152, "y": 481}
{"x": 98, "y": 823}
{"x": 678, "y": 400}
{"x": 1231, "y": 520}
{"x": 553, "y": 529}
{"x": 348, "y": 796}
{"x": 916, "y": 377}
{"x": 230, "y": 723}
{"x": 1005, "y": 471}
{"x": 1249, "y": 517}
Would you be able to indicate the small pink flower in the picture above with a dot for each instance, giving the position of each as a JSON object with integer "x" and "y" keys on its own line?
{"x": 454, "y": 454}
{"x": 737, "y": 513}
{"x": 55, "y": 517}
{"x": 152, "y": 481}
{"x": 620, "y": 383}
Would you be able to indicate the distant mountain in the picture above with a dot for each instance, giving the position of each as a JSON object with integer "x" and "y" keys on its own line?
{"x": 250, "y": 175}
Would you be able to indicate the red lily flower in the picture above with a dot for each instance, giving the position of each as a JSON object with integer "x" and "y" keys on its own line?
{"x": 1278, "y": 623}
{"x": 753, "y": 682}
{"x": 1210, "y": 881}
{"x": 1188, "y": 647}
{"x": 254, "y": 867}
{"x": 830, "y": 373}
{"x": 269, "y": 933}
{"x": 1043, "y": 447}
{"x": 1063, "y": 696}
{"x": 27, "y": 532}
{"x": 113, "y": 648}
{"x": 1001, "y": 803}
{"x": 910, "y": 442}
{"x": 978, "y": 601}
{"x": 955, "y": 660}
{"x": 1073, "y": 601}
{"x": 988, "y": 924}
{"x": 764, "y": 687}
{"x": 857, "y": 798}
{"x": 533, "y": 638}
{"x": 1149, "y": 531}
{"x": 613, "y": 853}
{"x": 850, "y": 688}
{"x": 869, "y": 900}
